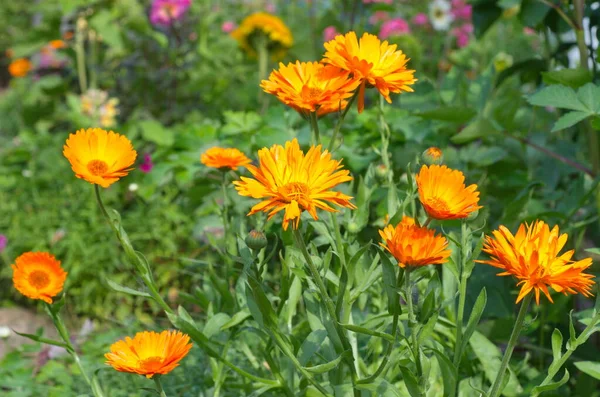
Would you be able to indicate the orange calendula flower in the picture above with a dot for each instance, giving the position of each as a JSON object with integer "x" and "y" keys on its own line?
{"x": 433, "y": 155}
{"x": 413, "y": 245}
{"x": 532, "y": 256}
{"x": 373, "y": 62}
{"x": 98, "y": 156}
{"x": 57, "y": 44}
{"x": 149, "y": 353}
{"x": 311, "y": 87}
{"x": 19, "y": 67}
{"x": 224, "y": 158}
{"x": 263, "y": 26}
{"x": 443, "y": 193}
{"x": 38, "y": 275}
{"x": 287, "y": 179}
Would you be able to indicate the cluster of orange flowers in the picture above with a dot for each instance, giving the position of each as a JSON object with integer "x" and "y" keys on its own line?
{"x": 349, "y": 63}
{"x": 20, "y": 67}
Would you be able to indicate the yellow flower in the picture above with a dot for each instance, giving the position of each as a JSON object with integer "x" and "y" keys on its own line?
{"x": 413, "y": 245}
{"x": 293, "y": 181}
{"x": 532, "y": 256}
{"x": 311, "y": 87}
{"x": 19, "y": 67}
{"x": 38, "y": 275}
{"x": 98, "y": 156}
{"x": 278, "y": 36}
{"x": 149, "y": 353}
{"x": 375, "y": 63}
{"x": 231, "y": 158}
{"x": 443, "y": 193}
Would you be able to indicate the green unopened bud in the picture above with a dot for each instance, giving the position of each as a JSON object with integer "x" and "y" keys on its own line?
{"x": 256, "y": 240}
{"x": 433, "y": 155}
{"x": 353, "y": 227}
{"x": 502, "y": 61}
{"x": 381, "y": 172}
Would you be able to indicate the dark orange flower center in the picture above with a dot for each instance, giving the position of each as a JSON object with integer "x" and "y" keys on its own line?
{"x": 311, "y": 93}
{"x": 294, "y": 191}
{"x": 38, "y": 279}
{"x": 151, "y": 364}
{"x": 97, "y": 167}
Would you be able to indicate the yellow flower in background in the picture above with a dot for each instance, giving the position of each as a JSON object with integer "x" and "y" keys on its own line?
{"x": 375, "y": 63}
{"x": 532, "y": 256}
{"x": 289, "y": 180}
{"x": 38, "y": 275}
{"x": 98, "y": 156}
{"x": 413, "y": 245}
{"x": 97, "y": 105}
{"x": 149, "y": 353}
{"x": 20, "y": 67}
{"x": 311, "y": 87}
{"x": 277, "y": 35}
{"x": 443, "y": 193}
{"x": 231, "y": 158}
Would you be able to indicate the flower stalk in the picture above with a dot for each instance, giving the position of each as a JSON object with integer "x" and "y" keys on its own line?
{"x": 412, "y": 324}
{"x": 512, "y": 342}
{"x": 159, "y": 388}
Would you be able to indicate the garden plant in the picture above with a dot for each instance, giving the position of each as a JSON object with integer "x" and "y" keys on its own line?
{"x": 300, "y": 198}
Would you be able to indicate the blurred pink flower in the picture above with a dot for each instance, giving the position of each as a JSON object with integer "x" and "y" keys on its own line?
{"x": 378, "y": 16}
{"x": 165, "y": 12}
{"x": 270, "y": 8}
{"x": 3, "y": 242}
{"x": 461, "y": 10}
{"x": 147, "y": 165}
{"x": 377, "y": 1}
{"x": 529, "y": 31}
{"x": 228, "y": 26}
{"x": 420, "y": 19}
{"x": 463, "y": 34}
{"x": 329, "y": 33}
{"x": 394, "y": 27}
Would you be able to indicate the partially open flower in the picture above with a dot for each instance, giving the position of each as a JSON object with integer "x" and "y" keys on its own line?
{"x": 413, "y": 245}
{"x": 229, "y": 158}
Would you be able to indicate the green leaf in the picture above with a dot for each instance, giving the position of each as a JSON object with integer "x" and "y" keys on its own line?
{"x": 569, "y": 120}
{"x": 367, "y": 331}
{"x": 95, "y": 384}
{"x": 449, "y": 373}
{"x": 557, "y": 340}
{"x": 40, "y": 339}
{"x": 456, "y": 114}
{"x": 484, "y": 16}
{"x": 126, "y": 290}
{"x": 153, "y": 131}
{"x": 557, "y": 96}
{"x": 311, "y": 345}
{"x": 214, "y": 324}
{"x": 474, "y": 318}
{"x": 380, "y": 387}
{"x": 589, "y": 95}
{"x": 475, "y": 130}
{"x": 570, "y": 77}
{"x": 389, "y": 283}
{"x": 410, "y": 380}
{"x": 551, "y": 386}
{"x": 533, "y": 12}
{"x": 237, "y": 318}
{"x": 322, "y": 368}
{"x": 590, "y": 368}
{"x": 594, "y": 251}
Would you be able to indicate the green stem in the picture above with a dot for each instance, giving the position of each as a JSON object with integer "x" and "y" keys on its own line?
{"x": 512, "y": 342}
{"x": 328, "y": 304}
{"x": 263, "y": 65}
{"x": 133, "y": 257}
{"x": 314, "y": 126}
{"x": 412, "y": 324}
{"x": 80, "y": 55}
{"x": 338, "y": 126}
{"x": 390, "y": 345}
{"x": 556, "y": 366}
{"x": 459, "y": 320}
{"x": 159, "y": 388}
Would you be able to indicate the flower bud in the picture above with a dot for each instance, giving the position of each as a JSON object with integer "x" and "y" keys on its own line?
{"x": 433, "y": 155}
{"x": 381, "y": 172}
{"x": 256, "y": 240}
{"x": 353, "y": 227}
{"x": 473, "y": 215}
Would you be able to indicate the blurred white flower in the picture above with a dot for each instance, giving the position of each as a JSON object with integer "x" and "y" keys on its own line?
{"x": 133, "y": 187}
{"x": 4, "y": 332}
{"x": 440, "y": 15}
{"x": 27, "y": 173}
